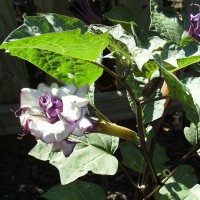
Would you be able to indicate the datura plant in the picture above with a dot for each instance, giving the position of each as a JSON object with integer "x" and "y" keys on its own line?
{"x": 155, "y": 68}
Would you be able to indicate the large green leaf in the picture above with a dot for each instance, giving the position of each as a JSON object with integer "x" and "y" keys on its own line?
{"x": 46, "y": 23}
{"x": 180, "y": 186}
{"x": 78, "y": 190}
{"x": 166, "y": 22}
{"x": 70, "y": 43}
{"x": 92, "y": 153}
{"x": 63, "y": 55}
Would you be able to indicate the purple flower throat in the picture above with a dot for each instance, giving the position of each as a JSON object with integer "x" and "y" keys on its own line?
{"x": 52, "y": 106}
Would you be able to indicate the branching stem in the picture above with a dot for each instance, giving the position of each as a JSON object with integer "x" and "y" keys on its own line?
{"x": 172, "y": 171}
{"x": 138, "y": 118}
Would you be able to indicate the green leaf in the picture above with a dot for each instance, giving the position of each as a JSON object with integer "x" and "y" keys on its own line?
{"x": 70, "y": 43}
{"x": 143, "y": 56}
{"x": 192, "y": 84}
{"x": 153, "y": 111}
{"x": 46, "y": 23}
{"x": 192, "y": 193}
{"x": 132, "y": 157}
{"x": 78, "y": 190}
{"x": 159, "y": 159}
{"x": 120, "y": 13}
{"x": 70, "y": 70}
{"x": 56, "y": 44}
{"x": 123, "y": 16}
{"x": 63, "y": 55}
{"x": 180, "y": 186}
{"x": 92, "y": 153}
{"x": 121, "y": 42}
{"x": 176, "y": 88}
{"x": 192, "y": 133}
{"x": 166, "y": 22}
{"x": 181, "y": 56}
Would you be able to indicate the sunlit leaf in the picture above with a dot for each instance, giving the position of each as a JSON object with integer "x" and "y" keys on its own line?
{"x": 177, "y": 90}
{"x": 62, "y": 55}
{"x": 192, "y": 133}
{"x": 180, "y": 186}
{"x": 121, "y": 42}
{"x": 179, "y": 56}
{"x": 45, "y": 23}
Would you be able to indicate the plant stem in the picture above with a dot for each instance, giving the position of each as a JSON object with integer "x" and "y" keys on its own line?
{"x": 155, "y": 99}
{"x": 156, "y": 125}
{"x": 173, "y": 170}
{"x": 128, "y": 176}
{"x": 138, "y": 117}
{"x": 143, "y": 143}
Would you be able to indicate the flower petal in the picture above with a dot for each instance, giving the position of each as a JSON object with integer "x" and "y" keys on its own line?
{"x": 42, "y": 87}
{"x": 72, "y": 107}
{"x": 66, "y": 90}
{"x": 82, "y": 91}
{"x": 81, "y": 126}
{"x": 49, "y": 133}
{"x": 75, "y": 101}
{"x": 67, "y": 147}
{"x": 30, "y": 100}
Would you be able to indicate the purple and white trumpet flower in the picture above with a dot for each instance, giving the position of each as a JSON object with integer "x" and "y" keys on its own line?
{"x": 52, "y": 114}
{"x": 194, "y": 29}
